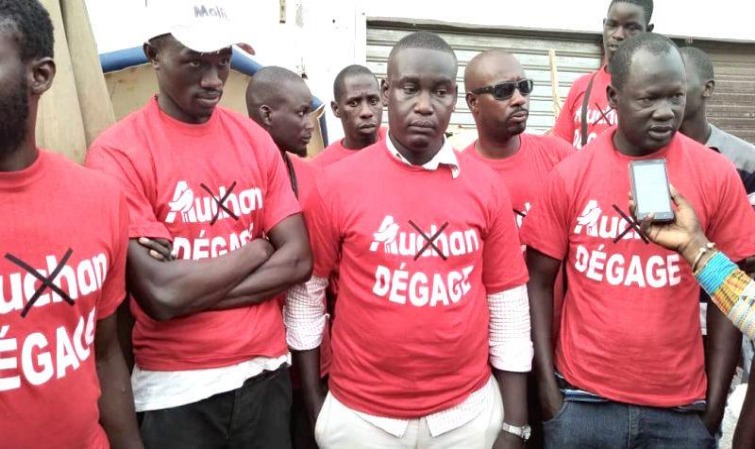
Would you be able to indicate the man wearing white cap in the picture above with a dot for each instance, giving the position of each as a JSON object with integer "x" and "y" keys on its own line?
{"x": 211, "y": 356}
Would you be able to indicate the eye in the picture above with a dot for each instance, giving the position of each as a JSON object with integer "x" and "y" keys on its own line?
{"x": 352, "y": 103}
{"x": 646, "y": 101}
{"x": 225, "y": 61}
{"x": 442, "y": 92}
{"x": 195, "y": 63}
{"x": 374, "y": 101}
{"x": 678, "y": 98}
{"x": 409, "y": 88}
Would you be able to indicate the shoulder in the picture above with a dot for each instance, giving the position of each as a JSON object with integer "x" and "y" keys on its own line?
{"x": 86, "y": 183}
{"x": 551, "y": 146}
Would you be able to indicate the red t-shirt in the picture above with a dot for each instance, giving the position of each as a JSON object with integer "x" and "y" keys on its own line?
{"x": 631, "y": 327}
{"x": 70, "y": 219}
{"x": 306, "y": 175}
{"x": 174, "y": 175}
{"x": 410, "y": 336}
{"x": 600, "y": 116}
{"x": 524, "y": 175}
{"x": 336, "y": 151}
{"x": 330, "y": 155}
{"x": 525, "y": 172}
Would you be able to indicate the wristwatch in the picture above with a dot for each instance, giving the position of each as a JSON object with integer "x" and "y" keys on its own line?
{"x": 522, "y": 432}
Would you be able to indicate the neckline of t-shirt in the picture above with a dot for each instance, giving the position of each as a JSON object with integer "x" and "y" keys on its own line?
{"x": 660, "y": 154}
{"x": 190, "y": 129}
{"x": 16, "y": 180}
{"x": 506, "y": 161}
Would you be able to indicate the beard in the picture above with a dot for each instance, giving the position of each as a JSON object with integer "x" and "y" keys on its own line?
{"x": 14, "y": 112}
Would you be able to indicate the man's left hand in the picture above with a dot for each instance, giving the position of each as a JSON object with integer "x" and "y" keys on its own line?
{"x": 711, "y": 421}
{"x": 508, "y": 440}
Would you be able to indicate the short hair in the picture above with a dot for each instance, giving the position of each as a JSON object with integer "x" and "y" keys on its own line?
{"x": 621, "y": 64}
{"x": 646, "y": 5}
{"x": 339, "y": 84}
{"x": 422, "y": 40}
{"x": 33, "y": 26}
{"x": 699, "y": 60}
{"x": 268, "y": 86}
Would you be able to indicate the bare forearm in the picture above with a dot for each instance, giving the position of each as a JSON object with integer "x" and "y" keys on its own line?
{"x": 744, "y": 436}
{"x": 182, "y": 287}
{"x": 308, "y": 364}
{"x": 514, "y": 395}
{"x": 722, "y": 356}
{"x": 116, "y": 402}
{"x": 285, "y": 268}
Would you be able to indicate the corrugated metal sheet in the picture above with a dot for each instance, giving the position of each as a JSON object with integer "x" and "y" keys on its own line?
{"x": 732, "y": 107}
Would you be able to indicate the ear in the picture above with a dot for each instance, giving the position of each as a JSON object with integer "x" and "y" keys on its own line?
{"x": 471, "y": 101}
{"x": 151, "y": 53}
{"x": 334, "y": 108}
{"x": 266, "y": 115}
{"x": 710, "y": 86}
{"x": 41, "y": 73}
{"x": 613, "y": 96}
{"x": 650, "y": 28}
{"x": 384, "y": 86}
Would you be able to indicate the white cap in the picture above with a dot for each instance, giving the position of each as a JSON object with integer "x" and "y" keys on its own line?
{"x": 203, "y": 26}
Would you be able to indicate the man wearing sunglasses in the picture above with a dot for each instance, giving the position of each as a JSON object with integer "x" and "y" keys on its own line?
{"x": 498, "y": 94}
{"x": 586, "y": 112}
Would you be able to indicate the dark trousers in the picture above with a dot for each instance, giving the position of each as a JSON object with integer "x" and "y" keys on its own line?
{"x": 255, "y": 416}
{"x": 611, "y": 425}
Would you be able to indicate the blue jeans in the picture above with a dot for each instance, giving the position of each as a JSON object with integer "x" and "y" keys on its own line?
{"x": 611, "y": 425}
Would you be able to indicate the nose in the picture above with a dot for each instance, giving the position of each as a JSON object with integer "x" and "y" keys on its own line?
{"x": 365, "y": 111}
{"x": 620, "y": 33}
{"x": 309, "y": 123}
{"x": 517, "y": 99}
{"x": 664, "y": 112}
{"x": 423, "y": 105}
{"x": 211, "y": 79}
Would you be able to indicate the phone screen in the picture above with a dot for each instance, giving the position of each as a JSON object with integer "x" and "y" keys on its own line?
{"x": 651, "y": 189}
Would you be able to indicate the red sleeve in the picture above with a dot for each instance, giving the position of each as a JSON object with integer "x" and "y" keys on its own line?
{"x": 546, "y": 227}
{"x": 114, "y": 286}
{"x": 132, "y": 177}
{"x": 503, "y": 265}
{"x": 563, "y": 149}
{"x": 564, "y": 127}
{"x": 324, "y": 235}
{"x": 280, "y": 201}
{"x": 732, "y": 223}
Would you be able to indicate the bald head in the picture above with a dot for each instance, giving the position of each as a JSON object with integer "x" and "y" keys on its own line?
{"x": 491, "y": 67}
{"x": 271, "y": 86}
{"x": 280, "y": 101}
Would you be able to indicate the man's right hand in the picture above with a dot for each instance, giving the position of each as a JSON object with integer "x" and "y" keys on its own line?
{"x": 551, "y": 401}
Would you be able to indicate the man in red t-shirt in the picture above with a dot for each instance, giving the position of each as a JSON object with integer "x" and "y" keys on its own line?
{"x": 280, "y": 101}
{"x": 356, "y": 101}
{"x": 586, "y": 112}
{"x": 209, "y": 344}
{"x": 63, "y": 380}
{"x": 432, "y": 282}
{"x": 630, "y": 350}
{"x": 498, "y": 97}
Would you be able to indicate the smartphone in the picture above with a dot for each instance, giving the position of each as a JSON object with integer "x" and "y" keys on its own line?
{"x": 651, "y": 190}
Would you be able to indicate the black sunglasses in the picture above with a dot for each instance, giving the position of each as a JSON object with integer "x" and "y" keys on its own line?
{"x": 504, "y": 91}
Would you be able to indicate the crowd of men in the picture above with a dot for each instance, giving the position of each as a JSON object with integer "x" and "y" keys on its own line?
{"x": 390, "y": 293}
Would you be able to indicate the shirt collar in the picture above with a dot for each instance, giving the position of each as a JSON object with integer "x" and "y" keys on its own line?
{"x": 446, "y": 157}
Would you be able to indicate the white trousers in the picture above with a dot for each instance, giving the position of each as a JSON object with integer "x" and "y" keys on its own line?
{"x": 338, "y": 427}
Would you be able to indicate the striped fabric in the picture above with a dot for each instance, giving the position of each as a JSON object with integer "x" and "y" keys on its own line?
{"x": 731, "y": 290}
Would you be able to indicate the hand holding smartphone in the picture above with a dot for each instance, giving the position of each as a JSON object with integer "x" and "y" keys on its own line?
{"x": 650, "y": 188}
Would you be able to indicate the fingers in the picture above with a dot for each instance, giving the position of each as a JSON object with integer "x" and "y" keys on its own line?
{"x": 646, "y": 223}
{"x": 158, "y": 249}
